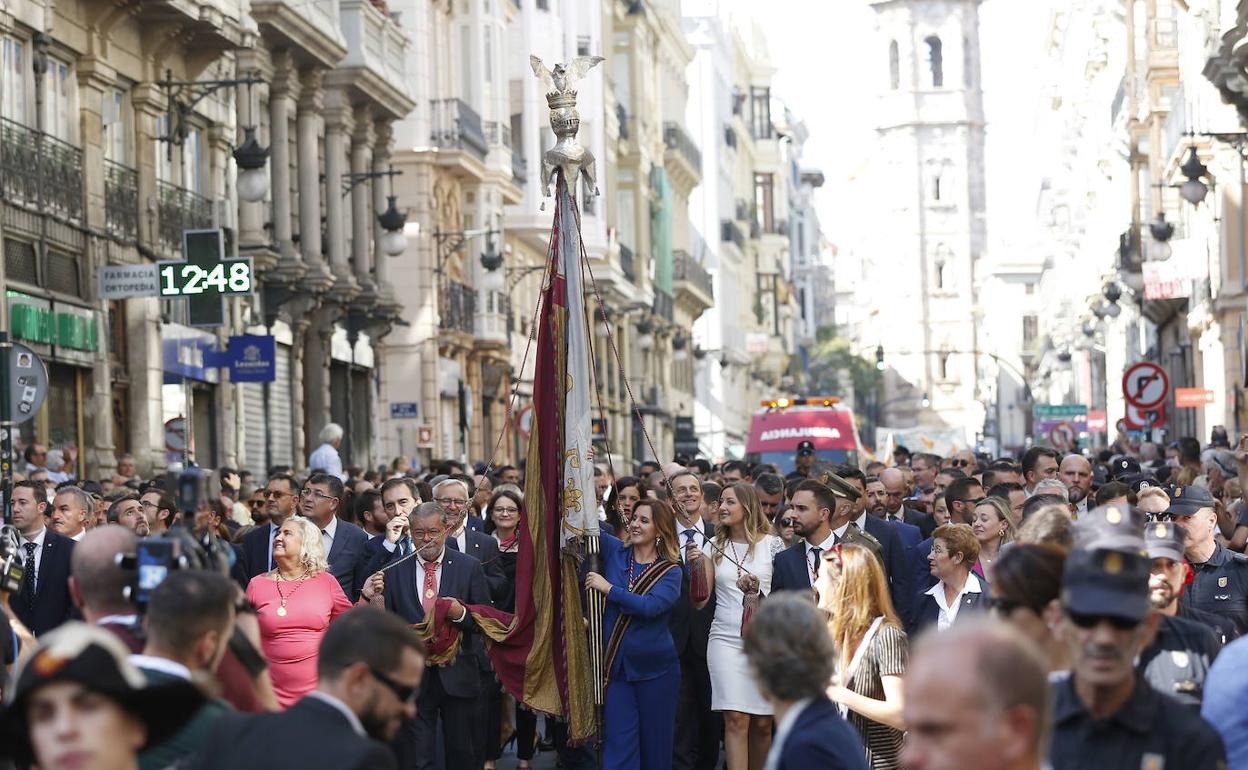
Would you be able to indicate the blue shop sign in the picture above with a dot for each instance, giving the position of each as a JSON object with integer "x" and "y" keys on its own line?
{"x": 252, "y": 358}
{"x": 188, "y": 353}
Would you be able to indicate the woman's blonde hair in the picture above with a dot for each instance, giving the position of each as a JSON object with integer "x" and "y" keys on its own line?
{"x": 756, "y": 525}
{"x": 1001, "y": 507}
{"x": 1151, "y": 492}
{"x": 312, "y": 555}
{"x": 858, "y": 597}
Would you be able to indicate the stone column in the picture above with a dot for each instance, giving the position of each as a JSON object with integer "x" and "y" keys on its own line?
{"x": 307, "y": 127}
{"x": 149, "y": 106}
{"x": 381, "y": 161}
{"x": 362, "y": 214}
{"x": 247, "y": 101}
{"x": 282, "y": 90}
{"x": 339, "y": 121}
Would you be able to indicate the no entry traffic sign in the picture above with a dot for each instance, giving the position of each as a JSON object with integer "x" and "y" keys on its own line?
{"x": 1145, "y": 385}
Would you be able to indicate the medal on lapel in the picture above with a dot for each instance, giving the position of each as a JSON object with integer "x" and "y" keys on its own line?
{"x": 428, "y": 593}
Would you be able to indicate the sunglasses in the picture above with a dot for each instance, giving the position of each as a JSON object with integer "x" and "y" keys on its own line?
{"x": 790, "y": 523}
{"x": 959, "y": 463}
{"x": 1092, "y": 621}
{"x": 404, "y": 693}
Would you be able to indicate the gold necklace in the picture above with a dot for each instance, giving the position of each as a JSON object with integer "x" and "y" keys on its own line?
{"x": 281, "y": 609}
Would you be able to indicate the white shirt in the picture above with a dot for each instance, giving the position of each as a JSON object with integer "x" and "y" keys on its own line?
{"x": 79, "y": 536}
{"x": 783, "y": 728}
{"x": 699, "y": 536}
{"x": 861, "y": 521}
{"x": 812, "y": 564}
{"x": 949, "y": 612}
{"x": 163, "y": 665}
{"x": 461, "y": 537}
{"x": 327, "y": 534}
{"x": 437, "y": 579}
{"x": 343, "y": 709}
{"x": 38, "y": 540}
{"x": 326, "y": 458}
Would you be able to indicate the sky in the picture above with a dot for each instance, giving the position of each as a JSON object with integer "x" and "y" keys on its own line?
{"x": 821, "y": 48}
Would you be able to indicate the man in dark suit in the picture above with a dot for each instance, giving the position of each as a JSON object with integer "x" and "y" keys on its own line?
{"x": 896, "y": 491}
{"x": 281, "y": 497}
{"x": 812, "y": 508}
{"x": 363, "y": 693}
{"x": 698, "y": 729}
{"x": 344, "y": 542}
{"x": 450, "y": 692}
{"x": 399, "y": 497}
{"x": 43, "y": 602}
{"x": 792, "y": 657}
{"x": 910, "y": 534}
{"x": 455, "y": 495}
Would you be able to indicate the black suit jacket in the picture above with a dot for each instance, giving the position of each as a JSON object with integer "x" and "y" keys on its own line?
{"x": 691, "y": 628}
{"x": 928, "y": 611}
{"x": 52, "y": 605}
{"x": 896, "y": 565}
{"x": 462, "y": 579}
{"x": 926, "y": 522}
{"x": 256, "y": 550}
{"x": 348, "y": 545}
{"x": 821, "y": 738}
{"x": 484, "y": 548}
{"x": 789, "y": 569}
{"x": 313, "y": 734}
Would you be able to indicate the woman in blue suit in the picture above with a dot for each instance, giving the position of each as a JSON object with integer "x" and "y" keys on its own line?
{"x": 641, "y": 580}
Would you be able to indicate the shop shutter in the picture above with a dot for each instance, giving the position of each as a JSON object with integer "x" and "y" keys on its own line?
{"x": 278, "y": 429}
{"x": 253, "y": 438}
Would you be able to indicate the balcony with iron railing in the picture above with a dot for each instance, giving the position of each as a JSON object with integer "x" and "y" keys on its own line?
{"x": 456, "y": 306}
{"x": 519, "y": 167}
{"x": 457, "y": 126}
{"x": 375, "y": 42}
{"x": 179, "y": 209}
{"x": 497, "y": 133}
{"x": 663, "y": 306}
{"x": 677, "y": 139}
{"x": 121, "y": 201}
{"x": 730, "y": 233}
{"x": 41, "y": 171}
{"x": 628, "y": 263}
{"x": 687, "y": 270}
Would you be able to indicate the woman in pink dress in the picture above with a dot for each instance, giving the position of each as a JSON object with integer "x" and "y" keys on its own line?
{"x": 295, "y": 603}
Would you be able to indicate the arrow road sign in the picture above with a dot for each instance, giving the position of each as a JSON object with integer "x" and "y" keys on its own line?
{"x": 1145, "y": 385}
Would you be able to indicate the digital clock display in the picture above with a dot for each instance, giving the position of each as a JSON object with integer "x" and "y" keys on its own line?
{"x": 190, "y": 279}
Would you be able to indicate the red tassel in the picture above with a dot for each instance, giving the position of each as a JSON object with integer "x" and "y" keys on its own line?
{"x": 748, "y": 605}
{"x": 699, "y": 590}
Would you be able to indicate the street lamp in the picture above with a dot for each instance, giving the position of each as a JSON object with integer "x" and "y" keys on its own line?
{"x": 1162, "y": 231}
{"x": 645, "y": 334}
{"x": 879, "y": 357}
{"x": 181, "y": 96}
{"x": 680, "y": 347}
{"x": 1112, "y": 293}
{"x": 925, "y": 402}
{"x": 1193, "y": 190}
{"x": 253, "y": 182}
{"x": 393, "y": 221}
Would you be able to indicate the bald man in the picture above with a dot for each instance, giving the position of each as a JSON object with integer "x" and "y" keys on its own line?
{"x": 97, "y": 583}
{"x": 1076, "y": 473}
{"x": 896, "y": 490}
{"x": 976, "y": 696}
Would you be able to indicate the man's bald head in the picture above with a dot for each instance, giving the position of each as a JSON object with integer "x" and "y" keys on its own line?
{"x": 976, "y": 695}
{"x": 99, "y": 582}
{"x": 895, "y": 489}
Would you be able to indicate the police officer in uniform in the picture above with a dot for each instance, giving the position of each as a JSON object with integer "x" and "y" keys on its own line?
{"x": 1106, "y": 716}
{"x": 804, "y": 460}
{"x": 1221, "y": 583}
{"x": 1178, "y": 659}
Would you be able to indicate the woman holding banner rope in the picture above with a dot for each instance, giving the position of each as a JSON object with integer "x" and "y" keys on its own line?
{"x": 737, "y": 562}
{"x": 641, "y": 582}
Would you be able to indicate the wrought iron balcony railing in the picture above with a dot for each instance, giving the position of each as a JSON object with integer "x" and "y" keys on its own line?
{"x": 627, "y": 263}
{"x": 686, "y": 268}
{"x": 39, "y": 170}
{"x": 458, "y": 126}
{"x": 675, "y": 137}
{"x": 121, "y": 200}
{"x": 456, "y": 307}
{"x": 729, "y": 232}
{"x": 180, "y": 209}
{"x": 519, "y": 167}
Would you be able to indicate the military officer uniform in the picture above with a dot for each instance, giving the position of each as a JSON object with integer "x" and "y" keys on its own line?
{"x": 1149, "y": 731}
{"x": 853, "y": 534}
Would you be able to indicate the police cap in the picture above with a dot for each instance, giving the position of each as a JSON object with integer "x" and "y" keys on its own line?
{"x": 1108, "y": 583}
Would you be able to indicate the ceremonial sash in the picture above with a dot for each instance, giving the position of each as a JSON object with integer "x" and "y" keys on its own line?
{"x": 443, "y": 638}
{"x": 648, "y": 580}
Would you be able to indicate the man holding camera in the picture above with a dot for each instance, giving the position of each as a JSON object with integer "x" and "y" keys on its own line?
{"x": 190, "y": 618}
{"x": 43, "y": 602}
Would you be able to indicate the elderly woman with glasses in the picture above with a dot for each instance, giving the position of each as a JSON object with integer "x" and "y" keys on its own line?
{"x": 295, "y": 603}
{"x": 958, "y": 592}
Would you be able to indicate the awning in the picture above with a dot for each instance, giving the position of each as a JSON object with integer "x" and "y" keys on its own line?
{"x": 780, "y": 431}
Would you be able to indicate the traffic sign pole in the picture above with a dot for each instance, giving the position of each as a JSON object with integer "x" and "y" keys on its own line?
{"x": 6, "y": 425}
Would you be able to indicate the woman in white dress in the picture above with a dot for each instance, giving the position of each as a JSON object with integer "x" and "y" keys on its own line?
{"x": 737, "y": 562}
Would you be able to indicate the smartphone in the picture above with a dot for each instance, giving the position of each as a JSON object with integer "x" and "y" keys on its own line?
{"x": 154, "y": 559}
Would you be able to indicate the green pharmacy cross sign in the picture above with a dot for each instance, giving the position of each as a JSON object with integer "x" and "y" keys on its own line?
{"x": 206, "y": 277}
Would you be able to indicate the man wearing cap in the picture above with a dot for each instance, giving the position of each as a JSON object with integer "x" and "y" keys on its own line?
{"x": 1177, "y": 661}
{"x": 1122, "y": 466}
{"x": 804, "y": 460}
{"x": 1221, "y": 583}
{"x": 813, "y": 508}
{"x": 1105, "y": 715}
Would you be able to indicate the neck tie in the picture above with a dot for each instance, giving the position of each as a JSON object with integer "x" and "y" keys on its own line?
{"x": 689, "y": 534}
{"x": 28, "y": 579}
{"x": 430, "y": 590}
{"x": 814, "y": 563}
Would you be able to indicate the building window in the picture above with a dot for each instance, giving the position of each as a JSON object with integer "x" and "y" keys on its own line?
{"x": 58, "y": 102}
{"x": 764, "y": 196}
{"x": 582, "y": 45}
{"x": 1031, "y": 330}
{"x": 936, "y": 186}
{"x": 116, "y": 127}
{"x": 760, "y": 112}
{"x": 13, "y": 79}
{"x": 940, "y": 272}
{"x": 894, "y": 66}
{"x": 946, "y": 371}
{"x": 193, "y": 161}
{"x": 935, "y": 61}
{"x": 968, "y": 63}
{"x": 489, "y": 56}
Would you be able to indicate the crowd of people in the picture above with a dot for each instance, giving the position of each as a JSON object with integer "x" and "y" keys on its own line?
{"x": 1079, "y": 610}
